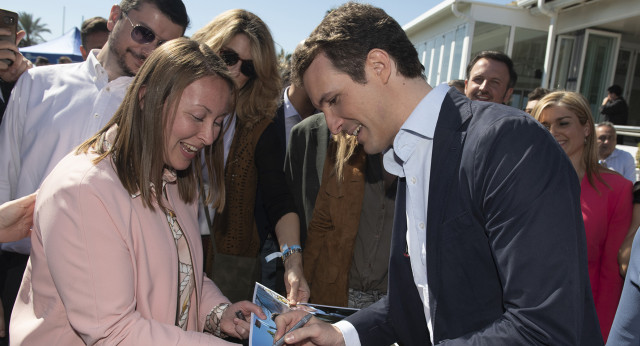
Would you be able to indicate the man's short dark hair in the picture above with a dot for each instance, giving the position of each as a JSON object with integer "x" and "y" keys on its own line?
{"x": 174, "y": 9}
{"x": 64, "y": 60}
{"x": 92, "y": 26}
{"x": 497, "y": 56}
{"x": 615, "y": 89}
{"x": 346, "y": 36}
{"x": 41, "y": 60}
{"x": 537, "y": 94}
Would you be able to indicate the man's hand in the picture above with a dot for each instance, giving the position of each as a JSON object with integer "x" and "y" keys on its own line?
{"x": 294, "y": 281}
{"x": 16, "y": 218}
{"x": 11, "y": 52}
{"x": 238, "y": 328}
{"x": 605, "y": 100}
{"x": 315, "y": 332}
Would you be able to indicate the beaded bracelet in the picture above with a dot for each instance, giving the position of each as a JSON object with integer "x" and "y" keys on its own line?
{"x": 288, "y": 251}
{"x": 214, "y": 318}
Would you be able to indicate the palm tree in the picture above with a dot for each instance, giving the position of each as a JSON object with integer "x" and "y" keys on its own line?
{"x": 33, "y": 28}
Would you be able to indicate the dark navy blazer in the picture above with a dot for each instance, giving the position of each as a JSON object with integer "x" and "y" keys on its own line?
{"x": 506, "y": 248}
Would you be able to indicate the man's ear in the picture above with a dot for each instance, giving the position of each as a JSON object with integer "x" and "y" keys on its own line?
{"x": 507, "y": 96}
{"x": 380, "y": 64}
{"x": 141, "y": 93}
{"x": 114, "y": 16}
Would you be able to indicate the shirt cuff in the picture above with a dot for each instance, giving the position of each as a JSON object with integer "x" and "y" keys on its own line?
{"x": 349, "y": 333}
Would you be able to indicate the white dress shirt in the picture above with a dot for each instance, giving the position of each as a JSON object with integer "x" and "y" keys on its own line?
{"x": 621, "y": 162}
{"x": 291, "y": 116}
{"x": 410, "y": 157}
{"x": 52, "y": 110}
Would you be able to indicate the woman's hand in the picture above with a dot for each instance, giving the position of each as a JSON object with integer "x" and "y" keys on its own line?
{"x": 238, "y": 328}
{"x": 294, "y": 281}
{"x": 16, "y": 218}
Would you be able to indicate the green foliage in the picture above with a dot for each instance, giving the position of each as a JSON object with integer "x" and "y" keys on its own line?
{"x": 33, "y": 28}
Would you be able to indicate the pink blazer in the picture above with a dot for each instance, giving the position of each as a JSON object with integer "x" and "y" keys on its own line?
{"x": 104, "y": 269}
{"x": 607, "y": 215}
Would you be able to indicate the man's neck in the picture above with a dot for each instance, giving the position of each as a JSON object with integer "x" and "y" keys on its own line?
{"x": 607, "y": 156}
{"x": 410, "y": 93}
{"x": 109, "y": 62}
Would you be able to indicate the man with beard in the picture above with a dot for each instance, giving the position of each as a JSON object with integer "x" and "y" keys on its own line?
{"x": 55, "y": 108}
{"x": 490, "y": 77}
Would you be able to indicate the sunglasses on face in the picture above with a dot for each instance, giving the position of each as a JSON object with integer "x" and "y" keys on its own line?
{"x": 141, "y": 34}
{"x": 231, "y": 58}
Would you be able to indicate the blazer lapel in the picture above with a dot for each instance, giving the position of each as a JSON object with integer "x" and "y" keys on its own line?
{"x": 445, "y": 163}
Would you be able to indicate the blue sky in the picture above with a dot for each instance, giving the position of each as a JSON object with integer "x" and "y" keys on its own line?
{"x": 290, "y": 21}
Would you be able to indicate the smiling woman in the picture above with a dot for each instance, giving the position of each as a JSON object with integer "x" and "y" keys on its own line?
{"x": 116, "y": 255}
{"x": 605, "y": 196}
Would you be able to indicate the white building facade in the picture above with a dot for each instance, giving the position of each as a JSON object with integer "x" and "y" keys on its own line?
{"x": 578, "y": 45}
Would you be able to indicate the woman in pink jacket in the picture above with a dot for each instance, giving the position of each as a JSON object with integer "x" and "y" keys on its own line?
{"x": 117, "y": 255}
{"x": 605, "y": 197}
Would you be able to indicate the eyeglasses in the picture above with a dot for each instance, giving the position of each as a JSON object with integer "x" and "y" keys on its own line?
{"x": 141, "y": 34}
{"x": 231, "y": 58}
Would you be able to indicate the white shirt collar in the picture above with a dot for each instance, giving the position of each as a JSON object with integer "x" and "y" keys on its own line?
{"x": 421, "y": 123}
{"x": 289, "y": 109}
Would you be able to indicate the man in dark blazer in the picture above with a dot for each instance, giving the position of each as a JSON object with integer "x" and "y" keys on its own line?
{"x": 303, "y": 165}
{"x": 488, "y": 246}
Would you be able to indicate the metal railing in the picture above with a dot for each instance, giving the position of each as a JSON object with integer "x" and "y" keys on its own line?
{"x": 625, "y": 130}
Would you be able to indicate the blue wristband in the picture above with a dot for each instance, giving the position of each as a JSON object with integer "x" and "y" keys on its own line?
{"x": 288, "y": 251}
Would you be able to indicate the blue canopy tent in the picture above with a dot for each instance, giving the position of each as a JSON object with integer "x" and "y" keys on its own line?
{"x": 65, "y": 45}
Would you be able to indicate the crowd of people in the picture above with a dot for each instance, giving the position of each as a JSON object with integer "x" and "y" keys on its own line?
{"x": 145, "y": 190}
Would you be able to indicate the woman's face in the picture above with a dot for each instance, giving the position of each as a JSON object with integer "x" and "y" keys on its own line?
{"x": 197, "y": 122}
{"x": 565, "y": 127}
{"x": 241, "y": 45}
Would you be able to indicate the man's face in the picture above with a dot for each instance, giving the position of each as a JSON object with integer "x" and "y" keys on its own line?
{"x": 130, "y": 54}
{"x": 350, "y": 107}
{"x": 488, "y": 81}
{"x": 529, "y": 107}
{"x": 606, "y": 141}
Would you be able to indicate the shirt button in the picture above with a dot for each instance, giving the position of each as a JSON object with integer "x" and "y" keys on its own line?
{"x": 96, "y": 115}
{"x": 421, "y": 225}
{"x": 413, "y": 180}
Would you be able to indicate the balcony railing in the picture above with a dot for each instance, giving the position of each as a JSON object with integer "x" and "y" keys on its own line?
{"x": 625, "y": 130}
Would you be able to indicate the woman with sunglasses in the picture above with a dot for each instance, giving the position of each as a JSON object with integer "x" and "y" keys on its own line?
{"x": 257, "y": 197}
{"x": 605, "y": 196}
{"x": 117, "y": 257}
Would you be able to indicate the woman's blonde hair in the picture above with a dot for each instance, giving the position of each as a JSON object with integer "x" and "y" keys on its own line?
{"x": 346, "y": 145}
{"x": 138, "y": 149}
{"x": 578, "y": 105}
{"x": 260, "y": 96}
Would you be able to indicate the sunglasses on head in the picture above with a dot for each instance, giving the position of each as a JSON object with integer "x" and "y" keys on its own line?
{"x": 141, "y": 34}
{"x": 231, "y": 58}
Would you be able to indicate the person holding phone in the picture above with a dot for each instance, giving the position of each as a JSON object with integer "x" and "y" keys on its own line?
{"x": 12, "y": 63}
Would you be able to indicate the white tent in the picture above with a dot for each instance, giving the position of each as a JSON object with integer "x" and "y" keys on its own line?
{"x": 65, "y": 45}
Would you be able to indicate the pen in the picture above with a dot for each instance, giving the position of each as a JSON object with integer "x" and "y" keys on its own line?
{"x": 240, "y": 315}
{"x": 300, "y": 323}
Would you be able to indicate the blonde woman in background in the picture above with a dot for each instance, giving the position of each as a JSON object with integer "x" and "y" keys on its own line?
{"x": 605, "y": 197}
{"x": 257, "y": 197}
